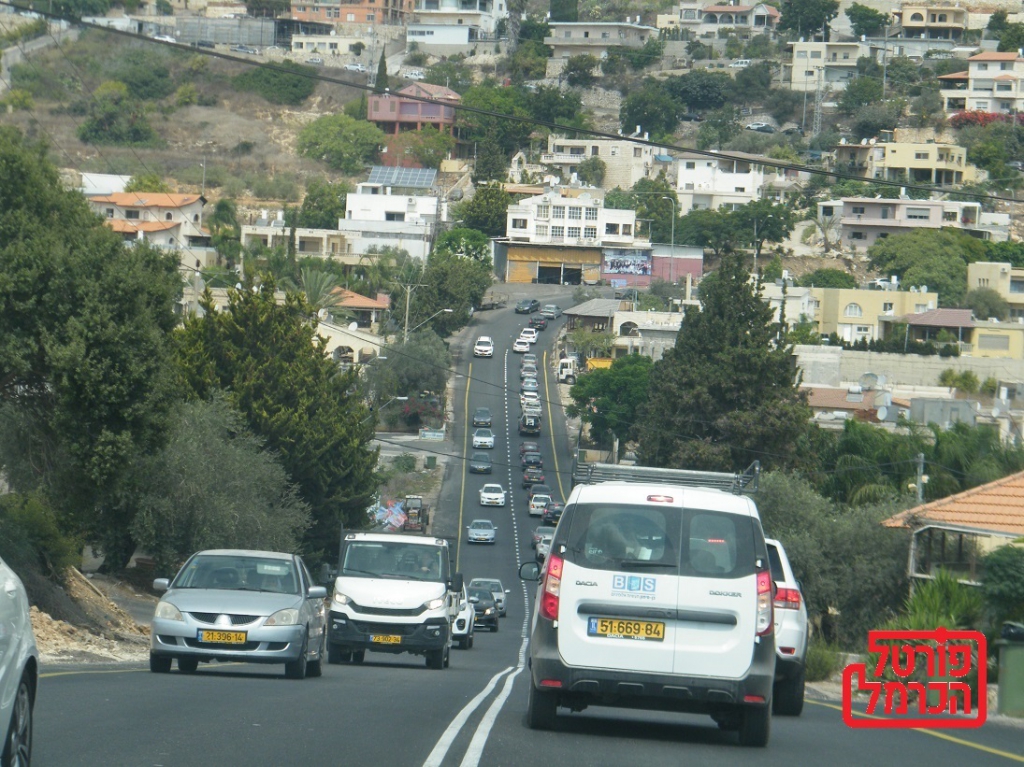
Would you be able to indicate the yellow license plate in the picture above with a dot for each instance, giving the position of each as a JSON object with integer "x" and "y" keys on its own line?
{"x": 621, "y": 628}
{"x": 386, "y": 639}
{"x": 222, "y": 637}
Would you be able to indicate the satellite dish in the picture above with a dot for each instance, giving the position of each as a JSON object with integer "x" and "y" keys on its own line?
{"x": 353, "y": 326}
{"x": 883, "y": 412}
{"x": 322, "y": 314}
{"x": 995, "y": 412}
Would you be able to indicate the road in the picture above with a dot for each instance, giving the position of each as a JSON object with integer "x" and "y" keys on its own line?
{"x": 393, "y": 711}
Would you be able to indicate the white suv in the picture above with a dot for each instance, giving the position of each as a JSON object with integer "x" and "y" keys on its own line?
{"x": 790, "y": 634}
{"x": 484, "y": 347}
{"x": 655, "y": 596}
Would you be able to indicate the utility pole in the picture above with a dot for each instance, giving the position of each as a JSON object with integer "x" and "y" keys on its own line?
{"x": 408, "y": 300}
{"x": 818, "y": 99}
{"x": 922, "y": 478}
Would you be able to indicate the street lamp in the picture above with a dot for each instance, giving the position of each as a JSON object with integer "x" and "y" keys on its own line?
{"x": 428, "y": 319}
{"x": 373, "y": 414}
{"x": 672, "y": 263}
{"x": 757, "y": 244}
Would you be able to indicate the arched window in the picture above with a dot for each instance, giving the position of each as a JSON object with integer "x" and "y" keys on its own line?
{"x": 725, "y": 18}
{"x": 710, "y": 18}
{"x": 917, "y": 17}
{"x": 942, "y": 18}
{"x": 628, "y": 329}
{"x": 853, "y": 310}
{"x": 195, "y": 218}
{"x": 167, "y": 216}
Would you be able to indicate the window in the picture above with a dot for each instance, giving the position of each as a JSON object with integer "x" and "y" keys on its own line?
{"x": 1005, "y": 65}
{"x": 994, "y": 343}
{"x": 110, "y": 212}
{"x": 518, "y": 223}
{"x": 568, "y": 33}
{"x": 394, "y": 217}
{"x": 853, "y": 310}
{"x": 131, "y": 215}
{"x": 920, "y": 155}
{"x": 575, "y": 213}
{"x": 982, "y": 105}
{"x": 815, "y": 54}
{"x": 827, "y": 210}
{"x": 983, "y": 282}
{"x": 846, "y": 56}
{"x": 801, "y": 54}
{"x": 1005, "y": 87}
{"x": 808, "y": 73}
{"x": 949, "y": 215}
{"x": 688, "y": 187}
{"x": 863, "y": 330}
{"x": 167, "y": 217}
{"x": 542, "y": 230}
{"x": 741, "y": 189}
{"x": 637, "y": 151}
{"x": 558, "y": 231}
{"x": 574, "y": 232}
{"x": 543, "y": 211}
{"x": 611, "y": 228}
{"x": 982, "y": 67}
{"x": 605, "y": 36}
{"x": 586, "y": 35}
{"x": 590, "y": 232}
{"x": 595, "y": 151}
{"x": 857, "y": 236}
{"x": 917, "y": 17}
{"x": 918, "y": 214}
{"x": 627, "y": 229}
{"x": 691, "y": 165}
{"x": 614, "y": 151}
{"x": 591, "y": 214}
{"x": 887, "y": 307}
{"x": 558, "y": 211}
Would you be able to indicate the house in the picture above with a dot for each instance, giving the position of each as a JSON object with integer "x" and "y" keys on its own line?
{"x": 832, "y": 406}
{"x": 955, "y": 532}
{"x": 553, "y": 237}
{"x": 798, "y": 304}
{"x": 596, "y": 315}
{"x": 806, "y": 65}
{"x": 855, "y": 314}
{"x": 482, "y": 15}
{"x": 706, "y": 21}
{"x": 352, "y": 11}
{"x": 1004, "y": 279}
{"x": 865, "y": 220}
{"x": 167, "y": 221}
{"x": 646, "y": 333}
{"x": 272, "y": 233}
{"x": 368, "y": 313}
{"x": 596, "y": 38}
{"x": 937, "y": 163}
{"x": 992, "y": 83}
{"x": 931, "y": 324}
{"x": 707, "y": 182}
{"x": 932, "y": 22}
{"x": 625, "y": 161}
{"x": 349, "y": 346}
{"x": 397, "y": 112}
{"x": 379, "y": 215}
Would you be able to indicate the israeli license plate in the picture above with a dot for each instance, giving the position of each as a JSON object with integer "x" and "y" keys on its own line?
{"x": 221, "y": 637}
{"x": 386, "y": 639}
{"x": 622, "y": 628}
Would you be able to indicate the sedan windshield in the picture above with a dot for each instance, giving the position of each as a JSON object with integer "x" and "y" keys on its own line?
{"x": 238, "y": 572}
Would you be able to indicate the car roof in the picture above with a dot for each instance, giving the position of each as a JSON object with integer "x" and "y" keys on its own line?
{"x": 481, "y": 581}
{"x": 483, "y": 429}
{"x": 492, "y": 487}
{"x": 481, "y": 522}
{"x": 481, "y": 409}
{"x": 488, "y": 339}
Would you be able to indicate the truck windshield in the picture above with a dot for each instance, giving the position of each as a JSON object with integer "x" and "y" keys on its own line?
{"x": 398, "y": 560}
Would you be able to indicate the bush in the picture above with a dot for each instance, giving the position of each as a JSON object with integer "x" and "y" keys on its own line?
{"x": 290, "y": 87}
{"x": 1003, "y": 584}
{"x": 31, "y": 538}
{"x": 404, "y": 463}
{"x": 823, "y": 661}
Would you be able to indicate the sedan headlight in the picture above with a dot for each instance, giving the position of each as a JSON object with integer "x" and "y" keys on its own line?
{"x": 434, "y": 604}
{"x": 168, "y": 612}
{"x": 489, "y": 611}
{"x": 287, "y": 617}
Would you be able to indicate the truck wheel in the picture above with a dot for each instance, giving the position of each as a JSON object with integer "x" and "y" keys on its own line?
{"x": 358, "y": 656}
{"x": 755, "y": 726}
{"x": 788, "y": 696}
{"x": 335, "y": 655}
{"x": 435, "y": 659}
{"x": 542, "y": 710}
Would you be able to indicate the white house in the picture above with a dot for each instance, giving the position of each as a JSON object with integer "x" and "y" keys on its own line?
{"x": 551, "y": 218}
{"x": 992, "y": 83}
{"x": 374, "y": 216}
{"x": 709, "y": 183}
{"x": 481, "y": 14}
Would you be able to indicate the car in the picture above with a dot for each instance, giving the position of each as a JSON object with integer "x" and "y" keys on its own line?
{"x": 315, "y": 61}
{"x": 480, "y": 463}
{"x": 485, "y": 610}
{"x": 691, "y": 117}
{"x": 203, "y": 44}
{"x": 529, "y": 385}
{"x": 538, "y": 322}
{"x": 624, "y": 547}
{"x": 532, "y": 475}
{"x": 415, "y": 74}
{"x": 538, "y": 488}
{"x": 532, "y": 408}
{"x": 274, "y": 613}
{"x": 482, "y": 417}
{"x": 529, "y": 425}
{"x": 793, "y": 131}
{"x": 551, "y": 311}
{"x": 537, "y": 503}
{"x": 1016, "y": 165}
{"x": 528, "y": 306}
{"x": 528, "y": 447}
{"x": 528, "y": 397}
{"x": 740, "y": 64}
{"x": 465, "y": 622}
{"x": 520, "y": 345}
{"x": 543, "y": 547}
{"x": 19, "y": 670}
{"x": 484, "y": 347}
{"x": 532, "y": 458}
{"x": 483, "y": 438}
{"x": 552, "y": 513}
{"x": 494, "y": 586}
{"x": 492, "y": 495}
{"x": 530, "y": 334}
{"x": 528, "y": 370}
{"x": 481, "y": 531}
{"x": 540, "y": 532}
{"x": 245, "y": 49}
{"x": 165, "y": 38}
{"x": 528, "y": 359}
{"x": 760, "y": 127}
{"x": 790, "y": 634}
{"x": 356, "y": 67}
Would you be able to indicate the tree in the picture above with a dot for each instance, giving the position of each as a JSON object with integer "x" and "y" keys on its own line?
{"x": 340, "y": 142}
{"x": 763, "y": 221}
{"x": 227, "y": 234}
{"x": 715, "y": 229}
{"x": 828, "y": 278}
{"x": 808, "y": 17}
{"x": 452, "y": 73}
{"x": 936, "y": 258}
{"x": 275, "y": 371}
{"x": 752, "y": 83}
{"x": 147, "y": 182}
{"x": 287, "y": 82}
{"x": 356, "y": 109}
{"x": 591, "y": 171}
{"x": 114, "y": 118}
{"x": 318, "y": 287}
{"x": 565, "y": 10}
{"x": 726, "y": 394}
{"x": 610, "y": 400}
{"x": 85, "y": 384}
{"x": 699, "y": 89}
{"x": 997, "y": 23}
{"x": 875, "y": 118}
{"x": 486, "y": 210}
{"x": 428, "y": 145}
{"x": 647, "y": 198}
{"x": 494, "y": 127}
{"x": 579, "y": 71}
{"x": 866, "y": 21}
{"x": 986, "y": 303}
{"x": 453, "y": 281}
{"x": 1012, "y": 38}
{"x": 859, "y": 93}
{"x": 324, "y": 204}
{"x": 651, "y": 108}
{"x": 718, "y": 128}
{"x": 1003, "y": 583}
{"x": 382, "y": 73}
{"x": 490, "y": 164}
{"x": 465, "y": 243}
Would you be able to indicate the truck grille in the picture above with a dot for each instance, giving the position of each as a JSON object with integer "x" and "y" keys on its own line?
{"x": 412, "y": 611}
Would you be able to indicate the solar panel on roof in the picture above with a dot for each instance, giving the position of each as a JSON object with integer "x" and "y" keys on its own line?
{"x": 409, "y": 178}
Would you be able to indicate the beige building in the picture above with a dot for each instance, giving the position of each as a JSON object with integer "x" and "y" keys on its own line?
{"x": 576, "y": 38}
{"x": 320, "y": 243}
{"x": 992, "y": 83}
{"x": 706, "y": 21}
{"x": 934, "y": 163}
{"x": 833, "y": 65}
{"x": 1003, "y": 278}
{"x": 932, "y": 22}
{"x": 854, "y": 314}
{"x": 625, "y": 162}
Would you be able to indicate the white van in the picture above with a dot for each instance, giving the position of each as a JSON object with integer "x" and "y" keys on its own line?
{"x": 740, "y": 64}
{"x": 655, "y": 596}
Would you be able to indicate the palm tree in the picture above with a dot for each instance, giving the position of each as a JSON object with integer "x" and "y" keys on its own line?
{"x": 319, "y": 288}
{"x": 828, "y": 228}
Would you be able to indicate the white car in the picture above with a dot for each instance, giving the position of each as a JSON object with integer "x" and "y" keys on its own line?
{"x": 492, "y": 495}
{"x": 530, "y": 334}
{"x": 357, "y": 67}
{"x": 537, "y": 504}
{"x": 484, "y": 347}
{"x": 19, "y": 670}
{"x": 415, "y": 74}
{"x": 494, "y": 586}
{"x": 481, "y": 531}
{"x": 528, "y": 397}
{"x": 790, "y": 634}
{"x": 462, "y": 628}
{"x": 483, "y": 438}
{"x": 551, "y": 311}
{"x": 520, "y": 346}
{"x": 543, "y": 547}
{"x": 529, "y": 359}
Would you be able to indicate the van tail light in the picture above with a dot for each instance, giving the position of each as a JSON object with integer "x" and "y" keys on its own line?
{"x": 787, "y": 599}
{"x": 551, "y": 588}
{"x": 765, "y": 616}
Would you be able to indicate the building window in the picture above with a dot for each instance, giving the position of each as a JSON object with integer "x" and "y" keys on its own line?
{"x": 575, "y": 213}
{"x": 983, "y": 282}
{"x": 614, "y": 151}
{"x": 605, "y": 36}
{"x": 168, "y": 217}
{"x": 691, "y": 165}
{"x": 131, "y": 215}
{"x": 982, "y": 67}
{"x": 574, "y": 232}
{"x": 688, "y": 187}
{"x": 1004, "y": 87}
{"x": 518, "y": 223}
{"x": 858, "y": 210}
{"x": 815, "y": 54}
{"x": 637, "y": 151}
{"x": 827, "y": 210}
{"x": 595, "y": 151}
{"x": 568, "y": 33}
{"x": 542, "y": 230}
{"x": 558, "y": 231}
{"x": 611, "y": 228}
{"x": 591, "y": 214}
{"x": 853, "y": 310}
{"x": 887, "y": 307}
{"x": 920, "y": 155}
{"x": 801, "y": 54}
{"x": 918, "y": 214}
{"x": 543, "y": 211}
{"x": 627, "y": 230}
{"x": 857, "y": 236}
{"x": 741, "y": 189}
{"x": 558, "y": 211}
{"x": 394, "y": 216}
{"x": 994, "y": 343}
{"x": 110, "y": 212}
{"x": 590, "y": 232}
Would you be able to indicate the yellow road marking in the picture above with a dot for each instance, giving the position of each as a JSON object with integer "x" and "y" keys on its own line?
{"x": 465, "y": 452}
{"x": 551, "y": 431}
{"x": 51, "y": 674}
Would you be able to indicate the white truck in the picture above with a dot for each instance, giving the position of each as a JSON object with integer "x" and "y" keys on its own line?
{"x": 393, "y": 594}
{"x": 567, "y": 370}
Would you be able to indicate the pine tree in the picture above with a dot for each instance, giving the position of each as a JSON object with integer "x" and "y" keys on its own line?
{"x": 382, "y": 73}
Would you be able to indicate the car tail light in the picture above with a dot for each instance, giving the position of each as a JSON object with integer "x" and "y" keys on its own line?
{"x": 551, "y": 588}
{"x": 787, "y": 599}
{"x": 765, "y": 617}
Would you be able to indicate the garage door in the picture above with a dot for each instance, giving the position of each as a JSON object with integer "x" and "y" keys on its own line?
{"x": 521, "y": 271}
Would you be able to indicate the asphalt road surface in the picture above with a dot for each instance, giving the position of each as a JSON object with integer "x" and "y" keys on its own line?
{"x": 393, "y": 711}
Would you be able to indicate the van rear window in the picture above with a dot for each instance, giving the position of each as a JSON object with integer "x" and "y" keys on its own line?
{"x": 668, "y": 540}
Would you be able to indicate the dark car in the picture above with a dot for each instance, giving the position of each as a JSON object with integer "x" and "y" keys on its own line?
{"x": 538, "y": 322}
{"x": 529, "y": 426}
{"x": 691, "y": 117}
{"x": 532, "y": 475}
{"x": 203, "y": 44}
{"x": 552, "y": 513}
{"x": 532, "y": 459}
{"x": 528, "y": 447}
{"x": 539, "y": 488}
{"x": 480, "y": 463}
{"x": 482, "y": 417}
{"x": 486, "y": 610}
{"x": 793, "y": 132}
{"x": 528, "y": 306}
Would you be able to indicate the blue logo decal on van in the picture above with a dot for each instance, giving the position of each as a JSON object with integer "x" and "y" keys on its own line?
{"x": 634, "y": 586}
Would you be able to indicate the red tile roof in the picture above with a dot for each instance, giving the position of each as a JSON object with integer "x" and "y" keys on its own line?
{"x": 941, "y": 318}
{"x": 147, "y": 199}
{"x": 955, "y": 76}
{"x": 997, "y": 507}
{"x": 353, "y": 300}
{"x": 995, "y": 56}
{"x": 822, "y": 398}
{"x": 124, "y": 226}
{"x": 426, "y": 90}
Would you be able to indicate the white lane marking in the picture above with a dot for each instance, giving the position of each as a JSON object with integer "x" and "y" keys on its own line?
{"x": 440, "y": 750}
{"x": 483, "y": 730}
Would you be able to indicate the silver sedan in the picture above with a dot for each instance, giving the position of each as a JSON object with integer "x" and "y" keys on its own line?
{"x": 240, "y": 606}
{"x": 19, "y": 670}
{"x": 481, "y": 531}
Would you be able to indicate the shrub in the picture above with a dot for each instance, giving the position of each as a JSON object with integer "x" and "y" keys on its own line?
{"x": 1003, "y": 584}
{"x": 291, "y": 87}
{"x": 823, "y": 661}
{"x": 186, "y": 95}
{"x": 31, "y": 539}
{"x": 404, "y": 463}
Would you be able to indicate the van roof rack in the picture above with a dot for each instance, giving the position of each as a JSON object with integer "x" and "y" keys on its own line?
{"x": 746, "y": 481}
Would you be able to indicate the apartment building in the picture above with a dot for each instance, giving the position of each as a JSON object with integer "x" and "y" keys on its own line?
{"x": 625, "y": 162}
{"x": 865, "y": 220}
{"x": 1006, "y": 279}
{"x": 479, "y": 15}
{"x": 352, "y": 11}
{"x": 935, "y": 163}
{"x": 855, "y": 314}
{"x": 991, "y": 83}
{"x": 378, "y": 217}
{"x": 269, "y": 231}
{"x": 709, "y": 183}
{"x": 396, "y": 112}
{"x": 806, "y": 65}
{"x": 931, "y": 22}
{"x": 596, "y": 38}
{"x": 705, "y": 21}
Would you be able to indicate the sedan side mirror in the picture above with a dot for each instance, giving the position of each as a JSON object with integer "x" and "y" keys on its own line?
{"x": 161, "y": 584}
{"x": 317, "y": 592}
